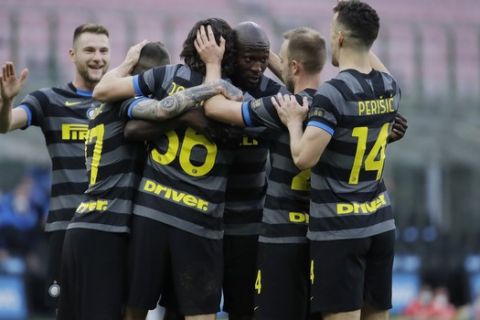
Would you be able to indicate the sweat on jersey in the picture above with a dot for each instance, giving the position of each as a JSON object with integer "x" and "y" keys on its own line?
{"x": 114, "y": 168}
{"x": 185, "y": 177}
{"x": 285, "y": 215}
{"x": 61, "y": 114}
{"x": 349, "y": 199}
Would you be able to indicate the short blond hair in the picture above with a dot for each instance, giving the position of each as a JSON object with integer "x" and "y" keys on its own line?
{"x": 308, "y": 47}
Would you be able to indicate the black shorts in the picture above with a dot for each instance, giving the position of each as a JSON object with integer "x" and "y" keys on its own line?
{"x": 93, "y": 275}
{"x": 54, "y": 261}
{"x": 281, "y": 285}
{"x": 194, "y": 264}
{"x": 347, "y": 273}
{"x": 240, "y": 266}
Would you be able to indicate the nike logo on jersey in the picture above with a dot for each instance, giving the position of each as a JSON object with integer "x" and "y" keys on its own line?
{"x": 72, "y": 103}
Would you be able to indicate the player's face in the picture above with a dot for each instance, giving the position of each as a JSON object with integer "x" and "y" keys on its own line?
{"x": 334, "y": 44}
{"x": 287, "y": 75}
{"x": 91, "y": 55}
{"x": 250, "y": 65}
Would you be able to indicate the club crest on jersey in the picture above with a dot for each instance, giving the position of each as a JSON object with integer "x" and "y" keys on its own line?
{"x": 94, "y": 111}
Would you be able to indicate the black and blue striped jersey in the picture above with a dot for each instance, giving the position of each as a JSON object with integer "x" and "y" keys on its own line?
{"x": 114, "y": 167}
{"x": 185, "y": 177}
{"x": 285, "y": 215}
{"x": 61, "y": 114}
{"x": 349, "y": 198}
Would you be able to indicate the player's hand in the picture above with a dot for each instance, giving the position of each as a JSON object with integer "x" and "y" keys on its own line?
{"x": 288, "y": 108}
{"x": 133, "y": 54}
{"x": 399, "y": 128}
{"x": 10, "y": 85}
{"x": 209, "y": 51}
{"x": 230, "y": 91}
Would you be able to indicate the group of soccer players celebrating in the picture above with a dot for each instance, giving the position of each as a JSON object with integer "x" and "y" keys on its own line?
{"x": 209, "y": 177}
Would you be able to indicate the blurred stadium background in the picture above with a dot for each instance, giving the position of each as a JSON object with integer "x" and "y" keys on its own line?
{"x": 431, "y": 46}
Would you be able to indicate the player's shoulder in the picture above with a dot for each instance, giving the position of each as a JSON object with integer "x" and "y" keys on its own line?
{"x": 268, "y": 86}
{"x": 47, "y": 94}
{"x": 185, "y": 73}
{"x": 390, "y": 82}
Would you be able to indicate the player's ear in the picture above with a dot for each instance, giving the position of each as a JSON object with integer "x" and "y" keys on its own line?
{"x": 341, "y": 38}
{"x": 295, "y": 65}
{"x": 71, "y": 54}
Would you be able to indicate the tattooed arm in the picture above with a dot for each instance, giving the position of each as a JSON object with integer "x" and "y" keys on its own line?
{"x": 172, "y": 106}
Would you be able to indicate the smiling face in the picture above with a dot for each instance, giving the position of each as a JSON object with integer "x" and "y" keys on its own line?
{"x": 250, "y": 66}
{"x": 91, "y": 56}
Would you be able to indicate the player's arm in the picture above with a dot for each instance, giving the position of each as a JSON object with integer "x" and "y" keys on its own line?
{"x": 306, "y": 147}
{"x": 275, "y": 64}
{"x": 376, "y": 63}
{"x": 117, "y": 84}
{"x": 227, "y": 111}
{"x": 140, "y": 130}
{"x": 171, "y": 106}
{"x": 10, "y": 85}
{"x": 210, "y": 52}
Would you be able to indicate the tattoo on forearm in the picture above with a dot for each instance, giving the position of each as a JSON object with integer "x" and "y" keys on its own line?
{"x": 172, "y": 106}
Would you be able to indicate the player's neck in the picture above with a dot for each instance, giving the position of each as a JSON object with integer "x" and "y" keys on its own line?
{"x": 307, "y": 82}
{"x": 82, "y": 84}
{"x": 354, "y": 59}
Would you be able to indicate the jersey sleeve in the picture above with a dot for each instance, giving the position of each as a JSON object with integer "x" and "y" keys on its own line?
{"x": 34, "y": 104}
{"x": 127, "y": 106}
{"x": 323, "y": 114}
{"x": 261, "y": 113}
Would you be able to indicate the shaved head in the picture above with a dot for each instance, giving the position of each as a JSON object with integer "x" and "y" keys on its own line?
{"x": 248, "y": 34}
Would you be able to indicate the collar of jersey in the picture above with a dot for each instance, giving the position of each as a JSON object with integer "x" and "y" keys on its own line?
{"x": 80, "y": 92}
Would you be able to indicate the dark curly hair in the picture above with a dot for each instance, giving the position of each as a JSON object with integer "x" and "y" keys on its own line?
{"x": 360, "y": 19}
{"x": 220, "y": 28}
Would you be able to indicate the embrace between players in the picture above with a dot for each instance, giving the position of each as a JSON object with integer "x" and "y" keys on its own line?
{"x": 194, "y": 210}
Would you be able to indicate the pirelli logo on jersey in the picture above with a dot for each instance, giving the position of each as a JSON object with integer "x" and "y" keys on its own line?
{"x": 90, "y": 206}
{"x": 74, "y": 131}
{"x": 170, "y": 194}
{"x": 362, "y": 208}
{"x": 373, "y": 107}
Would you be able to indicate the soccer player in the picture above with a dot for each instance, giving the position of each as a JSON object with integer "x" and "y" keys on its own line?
{"x": 177, "y": 225}
{"x": 61, "y": 113}
{"x": 246, "y": 181}
{"x": 281, "y": 284}
{"x": 351, "y": 228}
{"x": 96, "y": 238}
{"x": 246, "y": 185}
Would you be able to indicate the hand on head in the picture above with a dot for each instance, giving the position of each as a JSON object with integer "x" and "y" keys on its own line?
{"x": 133, "y": 53}
{"x": 207, "y": 47}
